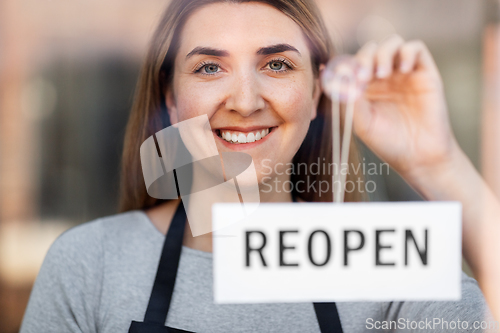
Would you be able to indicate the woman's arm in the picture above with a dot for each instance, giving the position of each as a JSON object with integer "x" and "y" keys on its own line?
{"x": 460, "y": 181}
{"x": 402, "y": 117}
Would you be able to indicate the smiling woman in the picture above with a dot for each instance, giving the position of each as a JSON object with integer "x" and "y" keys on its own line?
{"x": 253, "y": 69}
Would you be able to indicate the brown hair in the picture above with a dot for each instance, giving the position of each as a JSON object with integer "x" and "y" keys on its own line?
{"x": 149, "y": 113}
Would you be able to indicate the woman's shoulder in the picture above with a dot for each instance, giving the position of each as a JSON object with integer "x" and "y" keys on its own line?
{"x": 85, "y": 252}
{"x": 110, "y": 225}
{"x": 80, "y": 262}
{"x": 94, "y": 237}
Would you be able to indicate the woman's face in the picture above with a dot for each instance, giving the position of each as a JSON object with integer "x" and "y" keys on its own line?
{"x": 248, "y": 68}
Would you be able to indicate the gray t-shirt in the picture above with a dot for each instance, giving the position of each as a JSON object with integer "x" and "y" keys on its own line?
{"x": 97, "y": 277}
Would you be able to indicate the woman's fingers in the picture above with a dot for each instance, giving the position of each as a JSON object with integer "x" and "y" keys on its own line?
{"x": 375, "y": 62}
{"x": 394, "y": 54}
{"x": 386, "y": 56}
{"x": 380, "y": 61}
{"x": 415, "y": 55}
{"x": 366, "y": 60}
{"x": 408, "y": 56}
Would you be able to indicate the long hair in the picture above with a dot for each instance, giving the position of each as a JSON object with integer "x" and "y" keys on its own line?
{"x": 149, "y": 112}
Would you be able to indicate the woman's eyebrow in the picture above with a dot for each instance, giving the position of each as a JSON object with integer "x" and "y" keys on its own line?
{"x": 207, "y": 51}
{"x": 277, "y": 48}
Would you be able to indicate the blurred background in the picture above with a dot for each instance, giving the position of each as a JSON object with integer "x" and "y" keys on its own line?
{"x": 67, "y": 75}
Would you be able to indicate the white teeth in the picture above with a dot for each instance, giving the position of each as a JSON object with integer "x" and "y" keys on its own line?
{"x": 239, "y": 137}
{"x": 242, "y": 138}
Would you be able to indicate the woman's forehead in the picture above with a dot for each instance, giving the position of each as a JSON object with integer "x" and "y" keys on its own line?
{"x": 240, "y": 26}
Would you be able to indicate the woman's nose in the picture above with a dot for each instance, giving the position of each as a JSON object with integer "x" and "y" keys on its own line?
{"x": 245, "y": 94}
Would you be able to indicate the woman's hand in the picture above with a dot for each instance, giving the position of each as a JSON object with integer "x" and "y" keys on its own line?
{"x": 402, "y": 115}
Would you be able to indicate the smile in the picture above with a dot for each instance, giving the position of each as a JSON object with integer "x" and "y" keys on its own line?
{"x": 238, "y": 137}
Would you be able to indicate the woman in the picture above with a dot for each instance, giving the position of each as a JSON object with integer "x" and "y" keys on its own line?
{"x": 251, "y": 67}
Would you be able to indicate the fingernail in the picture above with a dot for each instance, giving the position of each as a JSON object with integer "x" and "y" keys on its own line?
{"x": 405, "y": 67}
{"x": 382, "y": 72}
{"x": 363, "y": 74}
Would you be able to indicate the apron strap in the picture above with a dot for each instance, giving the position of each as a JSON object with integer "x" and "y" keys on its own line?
{"x": 328, "y": 317}
{"x": 163, "y": 288}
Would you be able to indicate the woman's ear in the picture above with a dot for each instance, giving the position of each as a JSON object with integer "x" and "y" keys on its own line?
{"x": 171, "y": 107}
{"x": 318, "y": 90}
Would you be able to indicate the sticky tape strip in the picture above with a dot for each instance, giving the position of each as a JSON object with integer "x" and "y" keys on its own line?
{"x": 341, "y": 156}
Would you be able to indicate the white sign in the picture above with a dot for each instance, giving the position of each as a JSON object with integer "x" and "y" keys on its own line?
{"x": 318, "y": 252}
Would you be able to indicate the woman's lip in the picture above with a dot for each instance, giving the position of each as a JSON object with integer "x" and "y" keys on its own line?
{"x": 244, "y": 146}
{"x": 243, "y": 129}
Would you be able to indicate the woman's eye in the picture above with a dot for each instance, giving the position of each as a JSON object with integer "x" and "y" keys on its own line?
{"x": 208, "y": 69}
{"x": 279, "y": 65}
{"x": 211, "y": 69}
{"x": 276, "y": 65}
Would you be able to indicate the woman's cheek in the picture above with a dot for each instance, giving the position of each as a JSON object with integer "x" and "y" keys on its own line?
{"x": 303, "y": 102}
{"x": 196, "y": 101}
{"x": 293, "y": 100}
{"x": 300, "y": 104}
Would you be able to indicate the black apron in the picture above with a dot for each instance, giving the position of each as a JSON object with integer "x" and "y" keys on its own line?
{"x": 163, "y": 288}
